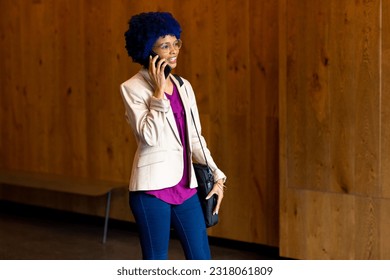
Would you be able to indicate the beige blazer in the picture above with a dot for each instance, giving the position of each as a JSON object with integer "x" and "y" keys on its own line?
{"x": 158, "y": 160}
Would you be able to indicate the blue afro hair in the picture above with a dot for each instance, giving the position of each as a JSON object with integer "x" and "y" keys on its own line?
{"x": 144, "y": 30}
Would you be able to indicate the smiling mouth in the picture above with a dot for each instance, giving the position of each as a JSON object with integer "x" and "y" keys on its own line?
{"x": 172, "y": 60}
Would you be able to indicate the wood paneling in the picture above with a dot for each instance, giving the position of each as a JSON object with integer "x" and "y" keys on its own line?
{"x": 61, "y": 111}
{"x": 385, "y": 100}
{"x": 334, "y": 129}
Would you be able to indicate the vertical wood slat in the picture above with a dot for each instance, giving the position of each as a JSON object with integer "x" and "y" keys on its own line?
{"x": 309, "y": 123}
{"x": 385, "y": 100}
{"x": 384, "y": 204}
{"x": 384, "y": 229}
{"x": 71, "y": 147}
{"x": 264, "y": 123}
{"x": 297, "y": 156}
{"x": 11, "y": 119}
{"x": 368, "y": 100}
{"x": 343, "y": 27}
{"x": 65, "y": 61}
{"x": 285, "y": 244}
{"x": 238, "y": 93}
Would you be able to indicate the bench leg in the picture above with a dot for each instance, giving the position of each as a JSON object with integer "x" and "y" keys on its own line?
{"x": 108, "y": 205}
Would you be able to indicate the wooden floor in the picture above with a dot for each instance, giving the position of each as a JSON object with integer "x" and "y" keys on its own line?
{"x": 34, "y": 233}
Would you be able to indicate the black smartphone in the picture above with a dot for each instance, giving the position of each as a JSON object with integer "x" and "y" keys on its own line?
{"x": 167, "y": 68}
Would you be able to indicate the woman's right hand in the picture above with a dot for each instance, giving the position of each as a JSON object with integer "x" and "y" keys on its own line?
{"x": 218, "y": 189}
{"x": 157, "y": 76}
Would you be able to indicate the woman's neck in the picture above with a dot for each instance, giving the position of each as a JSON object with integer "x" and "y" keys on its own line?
{"x": 169, "y": 87}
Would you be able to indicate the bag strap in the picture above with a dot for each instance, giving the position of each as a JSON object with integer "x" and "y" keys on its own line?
{"x": 200, "y": 141}
{"x": 193, "y": 119}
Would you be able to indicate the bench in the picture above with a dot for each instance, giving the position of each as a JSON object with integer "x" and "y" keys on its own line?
{"x": 65, "y": 184}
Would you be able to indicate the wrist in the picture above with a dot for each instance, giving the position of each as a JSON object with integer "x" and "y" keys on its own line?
{"x": 159, "y": 94}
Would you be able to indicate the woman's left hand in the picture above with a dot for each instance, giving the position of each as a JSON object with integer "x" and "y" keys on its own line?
{"x": 217, "y": 189}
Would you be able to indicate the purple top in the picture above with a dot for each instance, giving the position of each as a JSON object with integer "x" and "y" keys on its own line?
{"x": 179, "y": 193}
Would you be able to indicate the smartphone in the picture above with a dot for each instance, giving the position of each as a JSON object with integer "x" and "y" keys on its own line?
{"x": 167, "y": 68}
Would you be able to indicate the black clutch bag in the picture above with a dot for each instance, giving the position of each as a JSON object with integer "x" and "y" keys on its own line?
{"x": 205, "y": 184}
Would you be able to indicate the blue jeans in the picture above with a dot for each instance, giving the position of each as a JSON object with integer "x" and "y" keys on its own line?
{"x": 155, "y": 218}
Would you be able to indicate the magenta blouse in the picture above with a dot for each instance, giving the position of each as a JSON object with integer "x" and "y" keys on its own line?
{"x": 180, "y": 192}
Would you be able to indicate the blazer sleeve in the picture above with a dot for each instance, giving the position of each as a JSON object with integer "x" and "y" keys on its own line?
{"x": 197, "y": 153}
{"x": 145, "y": 113}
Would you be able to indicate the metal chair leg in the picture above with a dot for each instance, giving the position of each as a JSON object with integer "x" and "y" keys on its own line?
{"x": 108, "y": 204}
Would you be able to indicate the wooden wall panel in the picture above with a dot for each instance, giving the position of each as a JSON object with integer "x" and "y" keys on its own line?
{"x": 384, "y": 230}
{"x": 264, "y": 122}
{"x": 237, "y": 78}
{"x": 385, "y": 100}
{"x": 343, "y": 27}
{"x": 384, "y": 221}
{"x": 339, "y": 126}
{"x": 325, "y": 225}
{"x": 11, "y": 118}
{"x": 61, "y": 111}
{"x": 310, "y": 124}
{"x": 368, "y": 100}
{"x": 70, "y": 138}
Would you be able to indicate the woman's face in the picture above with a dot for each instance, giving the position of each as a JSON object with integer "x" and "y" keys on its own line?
{"x": 168, "y": 47}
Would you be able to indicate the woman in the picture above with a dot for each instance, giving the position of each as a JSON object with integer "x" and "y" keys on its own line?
{"x": 158, "y": 108}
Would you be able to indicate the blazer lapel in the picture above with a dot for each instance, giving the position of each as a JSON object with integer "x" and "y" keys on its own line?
{"x": 172, "y": 123}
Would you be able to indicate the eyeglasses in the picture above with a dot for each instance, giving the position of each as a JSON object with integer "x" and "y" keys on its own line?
{"x": 166, "y": 47}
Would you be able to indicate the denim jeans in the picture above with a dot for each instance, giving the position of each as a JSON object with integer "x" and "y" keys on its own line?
{"x": 155, "y": 218}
